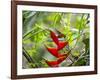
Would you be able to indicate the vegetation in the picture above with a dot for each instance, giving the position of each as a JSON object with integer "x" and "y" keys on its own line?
{"x": 71, "y": 28}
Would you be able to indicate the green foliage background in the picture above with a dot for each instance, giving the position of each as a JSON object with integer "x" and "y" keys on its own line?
{"x": 75, "y": 27}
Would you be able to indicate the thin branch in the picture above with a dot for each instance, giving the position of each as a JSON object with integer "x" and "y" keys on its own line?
{"x": 34, "y": 34}
{"x": 28, "y": 57}
{"x": 81, "y": 56}
{"x": 28, "y": 33}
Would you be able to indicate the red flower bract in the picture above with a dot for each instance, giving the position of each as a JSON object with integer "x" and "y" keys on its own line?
{"x": 54, "y": 37}
{"x": 54, "y": 51}
{"x": 62, "y": 44}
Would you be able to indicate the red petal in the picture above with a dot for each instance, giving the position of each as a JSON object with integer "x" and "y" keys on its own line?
{"x": 54, "y": 37}
{"x": 62, "y": 55}
{"x": 61, "y": 59}
{"x": 53, "y": 51}
{"x": 57, "y": 62}
{"x": 52, "y": 63}
{"x": 62, "y": 44}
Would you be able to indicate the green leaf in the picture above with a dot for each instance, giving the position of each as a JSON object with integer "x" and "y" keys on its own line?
{"x": 86, "y": 42}
{"x": 81, "y": 62}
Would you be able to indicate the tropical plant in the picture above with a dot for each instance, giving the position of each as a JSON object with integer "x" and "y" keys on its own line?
{"x": 52, "y": 39}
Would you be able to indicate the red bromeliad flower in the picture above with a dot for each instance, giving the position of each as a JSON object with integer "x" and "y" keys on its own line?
{"x": 54, "y": 51}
